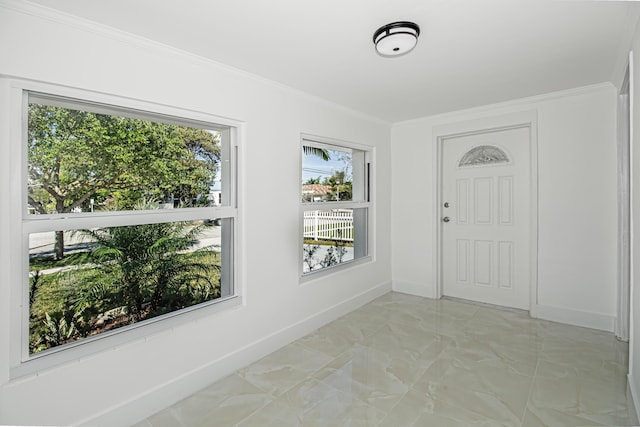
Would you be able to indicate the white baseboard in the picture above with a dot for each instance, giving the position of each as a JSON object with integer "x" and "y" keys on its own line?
{"x": 154, "y": 400}
{"x": 632, "y": 401}
{"x": 413, "y": 288}
{"x": 585, "y": 319}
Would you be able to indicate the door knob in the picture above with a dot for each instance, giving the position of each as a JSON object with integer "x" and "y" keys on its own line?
{"x": 446, "y": 219}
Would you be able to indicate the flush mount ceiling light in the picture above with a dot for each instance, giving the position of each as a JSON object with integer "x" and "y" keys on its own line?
{"x": 396, "y": 39}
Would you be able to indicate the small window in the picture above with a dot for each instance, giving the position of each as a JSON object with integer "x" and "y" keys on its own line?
{"x": 335, "y": 204}
{"x": 483, "y": 155}
{"x": 129, "y": 216}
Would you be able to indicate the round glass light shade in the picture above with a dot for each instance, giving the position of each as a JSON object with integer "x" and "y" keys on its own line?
{"x": 397, "y": 38}
{"x": 396, "y": 44}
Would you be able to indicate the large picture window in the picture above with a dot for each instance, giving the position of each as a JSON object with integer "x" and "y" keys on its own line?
{"x": 335, "y": 203}
{"x": 129, "y": 217}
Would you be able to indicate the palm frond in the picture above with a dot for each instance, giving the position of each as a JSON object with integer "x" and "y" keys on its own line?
{"x": 321, "y": 153}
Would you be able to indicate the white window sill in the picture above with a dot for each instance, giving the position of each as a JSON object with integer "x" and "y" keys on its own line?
{"x": 119, "y": 337}
{"x": 334, "y": 269}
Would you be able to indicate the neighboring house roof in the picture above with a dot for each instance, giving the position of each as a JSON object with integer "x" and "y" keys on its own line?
{"x": 316, "y": 189}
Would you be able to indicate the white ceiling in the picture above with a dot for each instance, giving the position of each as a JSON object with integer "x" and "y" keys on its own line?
{"x": 470, "y": 52}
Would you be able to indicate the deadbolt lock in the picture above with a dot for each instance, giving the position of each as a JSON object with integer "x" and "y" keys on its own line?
{"x": 446, "y": 204}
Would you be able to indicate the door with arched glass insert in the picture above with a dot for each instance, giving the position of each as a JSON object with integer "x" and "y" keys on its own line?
{"x": 485, "y": 217}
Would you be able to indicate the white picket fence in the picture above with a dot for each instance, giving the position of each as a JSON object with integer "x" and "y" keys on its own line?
{"x": 329, "y": 225}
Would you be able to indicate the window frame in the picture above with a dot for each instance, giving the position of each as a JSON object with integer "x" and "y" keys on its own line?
{"x": 367, "y": 203}
{"x": 23, "y": 223}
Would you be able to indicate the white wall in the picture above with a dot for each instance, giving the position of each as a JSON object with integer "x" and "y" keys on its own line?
{"x": 577, "y": 202}
{"x": 126, "y": 383}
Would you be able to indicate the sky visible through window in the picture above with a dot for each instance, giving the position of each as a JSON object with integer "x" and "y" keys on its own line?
{"x": 314, "y": 167}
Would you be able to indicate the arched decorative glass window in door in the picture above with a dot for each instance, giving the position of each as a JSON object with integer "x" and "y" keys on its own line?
{"x": 483, "y": 155}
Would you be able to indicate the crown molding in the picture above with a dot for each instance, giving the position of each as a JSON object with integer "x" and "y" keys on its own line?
{"x": 514, "y": 103}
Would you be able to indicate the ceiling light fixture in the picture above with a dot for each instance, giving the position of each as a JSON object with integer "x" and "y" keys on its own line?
{"x": 397, "y": 38}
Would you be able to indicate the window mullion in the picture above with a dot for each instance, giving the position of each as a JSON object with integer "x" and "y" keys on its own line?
{"x": 38, "y": 224}
{"x": 324, "y": 206}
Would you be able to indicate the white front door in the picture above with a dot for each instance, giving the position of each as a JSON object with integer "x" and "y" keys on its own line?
{"x": 485, "y": 217}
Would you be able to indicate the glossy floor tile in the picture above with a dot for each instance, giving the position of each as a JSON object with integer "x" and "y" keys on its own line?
{"x": 408, "y": 361}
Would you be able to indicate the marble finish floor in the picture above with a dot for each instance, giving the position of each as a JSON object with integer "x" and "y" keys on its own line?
{"x": 408, "y": 361}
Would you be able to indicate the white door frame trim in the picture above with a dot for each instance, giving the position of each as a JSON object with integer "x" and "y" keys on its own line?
{"x": 622, "y": 320}
{"x": 526, "y": 119}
